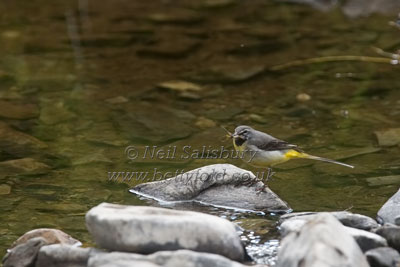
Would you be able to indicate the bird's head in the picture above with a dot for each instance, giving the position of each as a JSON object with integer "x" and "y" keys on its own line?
{"x": 243, "y": 132}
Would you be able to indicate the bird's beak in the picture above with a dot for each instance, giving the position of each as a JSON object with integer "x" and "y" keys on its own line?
{"x": 235, "y": 135}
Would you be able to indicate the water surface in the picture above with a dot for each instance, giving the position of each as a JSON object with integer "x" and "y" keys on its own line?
{"x": 85, "y": 76}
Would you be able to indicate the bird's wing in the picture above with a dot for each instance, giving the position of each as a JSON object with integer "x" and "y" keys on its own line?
{"x": 276, "y": 144}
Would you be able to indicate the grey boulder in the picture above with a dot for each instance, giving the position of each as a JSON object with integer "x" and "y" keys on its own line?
{"x": 391, "y": 234}
{"x": 52, "y": 236}
{"x": 185, "y": 258}
{"x": 346, "y": 218}
{"x": 397, "y": 220}
{"x": 383, "y": 257}
{"x": 148, "y": 229}
{"x": 390, "y": 210}
{"x": 366, "y": 240}
{"x": 24, "y": 254}
{"x": 219, "y": 184}
{"x": 59, "y": 255}
{"x": 323, "y": 242}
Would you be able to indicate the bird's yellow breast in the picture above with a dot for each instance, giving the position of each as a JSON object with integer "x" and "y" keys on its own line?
{"x": 263, "y": 158}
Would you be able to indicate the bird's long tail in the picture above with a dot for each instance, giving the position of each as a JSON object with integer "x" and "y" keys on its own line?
{"x": 296, "y": 154}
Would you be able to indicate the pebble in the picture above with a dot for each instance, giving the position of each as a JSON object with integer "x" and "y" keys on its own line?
{"x": 5, "y": 189}
{"x": 303, "y": 97}
{"x": 388, "y": 137}
{"x": 204, "y": 123}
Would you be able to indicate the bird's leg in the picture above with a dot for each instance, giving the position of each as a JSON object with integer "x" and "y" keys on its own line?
{"x": 270, "y": 173}
{"x": 250, "y": 182}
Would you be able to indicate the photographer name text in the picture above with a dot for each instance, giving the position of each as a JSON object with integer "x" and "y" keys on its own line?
{"x": 187, "y": 152}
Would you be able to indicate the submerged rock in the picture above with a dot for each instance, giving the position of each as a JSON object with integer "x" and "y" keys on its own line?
{"x": 180, "y": 86}
{"x": 5, "y": 189}
{"x": 53, "y": 113}
{"x": 117, "y": 100}
{"x": 162, "y": 258}
{"x": 383, "y": 180}
{"x": 216, "y": 3}
{"x": 227, "y": 74}
{"x": 17, "y": 143}
{"x": 390, "y": 210}
{"x": 148, "y": 229}
{"x": 219, "y": 184}
{"x": 383, "y": 257}
{"x": 321, "y": 242}
{"x": 389, "y": 137}
{"x": 204, "y": 123}
{"x": 155, "y": 123}
{"x": 226, "y": 113}
{"x": 18, "y": 111}
{"x": 23, "y": 166}
{"x": 170, "y": 49}
{"x": 176, "y": 16}
{"x": 323, "y": 5}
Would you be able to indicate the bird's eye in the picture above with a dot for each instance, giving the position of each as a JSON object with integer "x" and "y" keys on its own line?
{"x": 244, "y": 132}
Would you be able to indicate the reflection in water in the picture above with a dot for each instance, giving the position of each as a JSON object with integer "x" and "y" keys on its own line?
{"x": 73, "y": 34}
{"x": 79, "y": 82}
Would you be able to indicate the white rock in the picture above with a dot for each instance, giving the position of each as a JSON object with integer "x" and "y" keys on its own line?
{"x": 366, "y": 240}
{"x": 321, "y": 242}
{"x": 148, "y": 229}
{"x": 60, "y": 255}
{"x": 346, "y": 218}
{"x": 390, "y": 210}
{"x": 177, "y": 258}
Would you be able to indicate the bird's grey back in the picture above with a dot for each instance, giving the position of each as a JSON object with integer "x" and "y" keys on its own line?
{"x": 269, "y": 143}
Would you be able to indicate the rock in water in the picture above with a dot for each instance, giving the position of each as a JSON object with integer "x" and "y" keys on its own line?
{"x": 148, "y": 229}
{"x": 162, "y": 258}
{"x": 346, "y": 218}
{"x": 366, "y": 240}
{"x": 24, "y": 250}
{"x": 23, "y": 166}
{"x": 17, "y": 143}
{"x": 226, "y": 74}
{"x": 19, "y": 111}
{"x": 392, "y": 235}
{"x": 52, "y": 236}
{"x": 388, "y": 137}
{"x": 383, "y": 257}
{"x": 390, "y": 210}
{"x": 24, "y": 255}
{"x": 219, "y": 184}
{"x": 321, "y": 242}
{"x": 59, "y": 255}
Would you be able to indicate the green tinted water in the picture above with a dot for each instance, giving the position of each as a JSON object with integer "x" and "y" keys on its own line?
{"x": 90, "y": 72}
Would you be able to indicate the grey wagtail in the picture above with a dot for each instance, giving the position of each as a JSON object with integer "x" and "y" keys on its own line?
{"x": 263, "y": 150}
